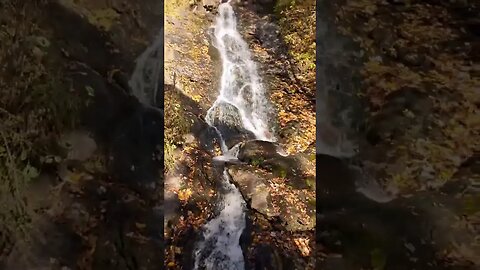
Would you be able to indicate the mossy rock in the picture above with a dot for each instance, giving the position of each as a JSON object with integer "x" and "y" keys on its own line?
{"x": 256, "y": 161}
{"x": 255, "y": 149}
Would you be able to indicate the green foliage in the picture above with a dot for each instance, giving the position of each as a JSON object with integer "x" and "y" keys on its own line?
{"x": 176, "y": 119}
{"x": 311, "y": 183}
{"x": 35, "y": 107}
{"x": 15, "y": 175}
{"x": 256, "y": 161}
{"x": 280, "y": 171}
{"x": 176, "y": 125}
{"x": 297, "y": 24}
{"x": 169, "y": 160}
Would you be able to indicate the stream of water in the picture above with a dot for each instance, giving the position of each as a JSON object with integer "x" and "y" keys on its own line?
{"x": 145, "y": 79}
{"x": 241, "y": 102}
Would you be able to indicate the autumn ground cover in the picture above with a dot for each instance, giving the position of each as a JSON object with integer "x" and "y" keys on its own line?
{"x": 408, "y": 72}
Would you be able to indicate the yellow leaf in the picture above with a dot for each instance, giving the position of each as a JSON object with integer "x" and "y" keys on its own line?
{"x": 184, "y": 195}
{"x": 197, "y": 98}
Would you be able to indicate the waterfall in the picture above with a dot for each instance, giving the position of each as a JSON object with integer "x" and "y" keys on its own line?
{"x": 241, "y": 92}
{"x": 241, "y": 98}
{"x": 146, "y": 76}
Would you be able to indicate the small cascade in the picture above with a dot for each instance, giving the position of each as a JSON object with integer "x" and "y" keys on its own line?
{"x": 145, "y": 79}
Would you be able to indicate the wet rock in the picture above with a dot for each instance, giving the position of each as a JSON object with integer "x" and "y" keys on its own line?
{"x": 253, "y": 187}
{"x": 122, "y": 80}
{"x": 236, "y": 135}
{"x": 270, "y": 156}
{"x": 228, "y": 123}
{"x": 227, "y": 159}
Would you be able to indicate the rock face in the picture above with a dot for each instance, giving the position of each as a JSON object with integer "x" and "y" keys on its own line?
{"x": 272, "y": 184}
{"x": 259, "y": 188}
{"x": 228, "y": 123}
{"x": 271, "y": 157}
{"x": 253, "y": 187}
{"x": 259, "y": 149}
{"x": 80, "y": 145}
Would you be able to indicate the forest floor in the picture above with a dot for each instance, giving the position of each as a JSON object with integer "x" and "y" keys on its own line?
{"x": 416, "y": 77}
{"x": 67, "y": 202}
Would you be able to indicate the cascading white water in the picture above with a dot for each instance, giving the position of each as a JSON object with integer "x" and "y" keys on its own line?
{"x": 145, "y": 78}
{"x": 241, "y": 91}
{"x": 241, "y": 94}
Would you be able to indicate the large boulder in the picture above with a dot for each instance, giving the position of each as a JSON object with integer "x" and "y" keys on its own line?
{"x": 227, "y": 121}
{"x": 270, "y": 156}
{"x": 252, "y": 185}
{"x": 257, "y": 149}
{"x": 268, "y": 195}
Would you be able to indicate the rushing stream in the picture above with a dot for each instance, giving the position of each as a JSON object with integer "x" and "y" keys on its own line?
{"x": 145, "y": 79}
{"x": 241, "y": 102}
